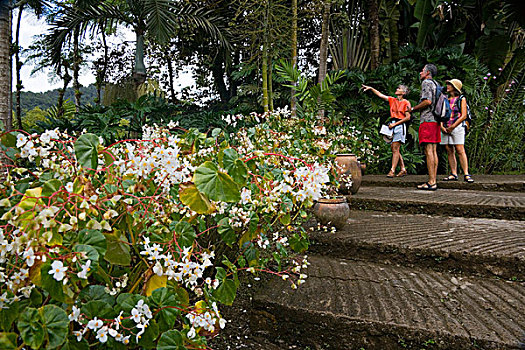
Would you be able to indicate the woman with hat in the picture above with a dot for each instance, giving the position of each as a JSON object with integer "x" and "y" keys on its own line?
{"x": 453, "y": 133}
{"x": 399, "y": 115}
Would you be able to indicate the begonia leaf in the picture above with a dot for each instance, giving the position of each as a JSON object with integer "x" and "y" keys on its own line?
{"x": 50, "y": 284}
{"x": 215, "y": 184}
{"x": 239, "y": 172}
{"x": 50, "y": 187}
{"x": 31, "y": 198}
{"x": 227, "y": 157}
{"x": 31, "y": 328}
{"x": 171, "y": 340}
{"x": 93, "y": 238}
{"x": 226, "y": 232}
{"x": 226, "y": 291}
{"x": 56, "y": 325}
{"x": 98, "y": 308}
{"x": 155, "y": 282}
{"x": 194, "y": 199}
{"x": 90, "y": 252}
{"x": 167, "y": 304}
{"x": 118, "y": 251}
{"x": 8, "y": 341}
{"x": 86, "y": 151}
{"x": 96, "y": 292}
{"x": 185, "y": 233}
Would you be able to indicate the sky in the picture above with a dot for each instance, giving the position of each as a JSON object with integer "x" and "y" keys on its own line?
{"x": 40, "y": 82}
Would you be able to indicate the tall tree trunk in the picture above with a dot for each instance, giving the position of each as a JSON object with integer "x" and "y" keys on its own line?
{"x": 270, "y": 82}
{"x": 101, "y": 73}
{"x": 60, "y": 102}
{"x": 169, "y": 63}
{"x": 373, "y": 20}
{"x": 293, "y": 104}
{"x": 18, "y": 66}
{"x": 76, "y": 67}
{"x": 265, "y": 58}
{"x": 5, "y": 66}
{"x": 323, "y": 50}
{"x": 139, "y": 71}
{"x": 217, "y": 71}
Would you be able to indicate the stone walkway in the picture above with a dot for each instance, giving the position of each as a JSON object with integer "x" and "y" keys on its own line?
{"x": 412, "y": 269}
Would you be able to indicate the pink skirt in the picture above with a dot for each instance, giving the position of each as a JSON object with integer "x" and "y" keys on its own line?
{"x": 429, "y": 132}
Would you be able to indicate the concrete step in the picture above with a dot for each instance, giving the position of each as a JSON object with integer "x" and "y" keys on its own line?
{"x": 443, "y": 202}
{"x": 468, "y": 245}
{"x": 505, "y": 183}
{"x": 353, "y": 304}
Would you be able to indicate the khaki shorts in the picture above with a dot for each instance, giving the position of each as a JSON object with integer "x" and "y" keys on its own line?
{"x": 456, "y": 137}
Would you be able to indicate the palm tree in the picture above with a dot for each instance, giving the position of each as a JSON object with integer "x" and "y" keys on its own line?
{"x": 5, "y": 64}
{"x": 158, "y": 19}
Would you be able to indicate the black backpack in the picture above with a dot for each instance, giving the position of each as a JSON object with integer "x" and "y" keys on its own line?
{"x": 468, "y": 121}
{"x": 441, "y": 106}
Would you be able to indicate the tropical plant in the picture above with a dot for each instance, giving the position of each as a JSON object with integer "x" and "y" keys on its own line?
{"x": 137, "y": 245}
{"x": 312, "y": 98}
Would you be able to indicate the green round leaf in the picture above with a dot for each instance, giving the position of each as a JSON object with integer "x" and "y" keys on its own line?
{"x": 215, "y": 184}
{"x": 170, "y": 340}
{"x": 96, "y": 292}
{"x": 93, "y": 238}
{"x": 227, "y": 157}
{"x": 226, "y": 292}
{"x": 227, "y": 233}
{"x": 8, "y": 341}
{"x": 118, "y": 252}
{"x": 31, "y": 328}
{"x": 86, "y": 151}
{"x": 50, "y": 187}
{"x": 239, "y": 172}
{"x": 197, "y": 202}
{"x": 99, "y": 309}
{"x": 165, "y": 300}
{"x": 56, "y": 324}
{"x": 185, "y": 233}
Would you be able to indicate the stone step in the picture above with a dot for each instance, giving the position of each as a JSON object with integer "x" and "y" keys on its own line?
{"x": 506, "y": 183}
{"x": 443, "y": 202}
{"x": 353, "y": 304}
{"x": 468, "y": 245}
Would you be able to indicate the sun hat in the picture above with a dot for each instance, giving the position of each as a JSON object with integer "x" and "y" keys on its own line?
{"x": 456, "y": 83}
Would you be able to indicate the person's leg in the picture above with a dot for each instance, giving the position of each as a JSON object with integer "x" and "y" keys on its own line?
{"x": 452, "y": 162}
{"x": 434, "y": 164}
{"x": 396, "y": 156}
{"x": 462, "y": 155}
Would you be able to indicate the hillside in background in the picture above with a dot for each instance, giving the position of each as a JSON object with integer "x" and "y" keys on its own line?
{"x": 44, "y": 100}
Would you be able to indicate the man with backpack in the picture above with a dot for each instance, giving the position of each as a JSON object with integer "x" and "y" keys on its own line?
{"x": 429, "y": 129}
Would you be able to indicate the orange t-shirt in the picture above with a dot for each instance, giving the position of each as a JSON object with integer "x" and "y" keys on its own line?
{"x": 398, "y": 108}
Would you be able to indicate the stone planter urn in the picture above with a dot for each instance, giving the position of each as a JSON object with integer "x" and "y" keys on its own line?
{"x": 332, "y": 212}
{"x": 348, "y": 164}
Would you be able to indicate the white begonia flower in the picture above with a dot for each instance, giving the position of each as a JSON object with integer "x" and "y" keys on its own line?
{"x": 95, "y": 323}
{"x": 246, "y": 195}
{"x": 29, "y": 255}
{"x": 58, "y": 270}
{"x": 136, "y": 315}
{"x": 102, "y": 334}
{"x": 85, "y": 269}
{"x": 78, "y": 335}
{"x": 192, "y": 333}
{"x": 69, "y": 187}
{"x": 21, "y": 140}
{"x": 75, "y": 313}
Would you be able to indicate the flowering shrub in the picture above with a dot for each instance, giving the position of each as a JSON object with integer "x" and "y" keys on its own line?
{"x": 135, "y": 245}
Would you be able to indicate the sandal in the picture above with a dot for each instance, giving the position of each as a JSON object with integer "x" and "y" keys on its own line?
{"x": 451, "y": 177}
{"x": 402, "y": 173}
{"x": 427, "y": 187}
{"x": 468, "y": 178}
{"x": 390, "y": 174}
